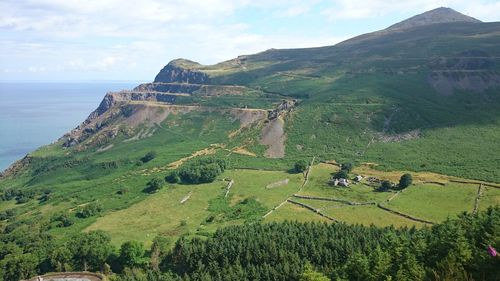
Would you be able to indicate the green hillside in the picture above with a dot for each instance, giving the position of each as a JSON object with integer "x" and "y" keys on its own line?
{"x": 421, "y": 99}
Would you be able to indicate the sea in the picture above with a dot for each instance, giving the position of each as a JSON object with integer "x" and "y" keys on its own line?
{"x": 33, "y": 114}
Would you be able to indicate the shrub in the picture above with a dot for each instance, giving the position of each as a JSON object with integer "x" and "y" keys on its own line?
{"x": 148, "y": 157}
{"x": 8, "y": 214}
{"x": 62, "y": 220}
{"x": 25, "y": 196}
{"x": 9, "y": 194}
{"x": 154, "y": 185}
{"x": 405, "y": 181}
{"x": 201, "y": 170}
{"x": 46, "y": 195}
{"x": 173, "y": 177}
{"x": 89, "y": 210}
{"x": 300, "y": 166}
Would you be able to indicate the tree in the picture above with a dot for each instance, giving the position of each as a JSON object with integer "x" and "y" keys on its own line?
{"x": 310, "y": 274}
{"x": 342, "y": 174}
{"x": 16, "y": 267}
{"x": 60, "y": 259}
{"x": 148, "y": 157}
{"x": 385, "y": 186}
{"x": 209, "y": 172}
{"x": 90, "y": 250}
{"x": 300, "y": 166}
{"x": 159, "y": 249}
{"x": 347, "y": 167}
{"x": 357, "y": 267}
{"x": 405, "y": 181}
{"x": 131, "y": 254}
{"x": 154, "y": 185}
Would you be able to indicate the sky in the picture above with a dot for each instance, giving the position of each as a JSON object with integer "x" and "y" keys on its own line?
{"x": 131, "y": 40}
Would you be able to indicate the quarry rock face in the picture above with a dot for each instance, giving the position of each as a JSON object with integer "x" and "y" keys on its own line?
{"x": 168, "y": 87}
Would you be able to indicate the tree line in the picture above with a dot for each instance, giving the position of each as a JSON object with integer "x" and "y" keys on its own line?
{"x": 453, "y": 250}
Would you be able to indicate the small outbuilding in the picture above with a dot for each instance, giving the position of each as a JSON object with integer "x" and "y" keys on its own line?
{"x": 343, "y": 182}
{"x": 358, "y": 178}
{"x": 335, "y": 182}
{"x": 339, "y": 182}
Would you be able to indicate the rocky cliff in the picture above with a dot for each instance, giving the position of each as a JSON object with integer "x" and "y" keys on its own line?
{"x": 182, "y": 71}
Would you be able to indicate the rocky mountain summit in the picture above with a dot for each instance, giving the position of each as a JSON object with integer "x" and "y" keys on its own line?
{"x": 436, "y": 16}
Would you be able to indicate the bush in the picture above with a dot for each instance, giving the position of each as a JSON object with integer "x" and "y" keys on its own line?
{"x": 405, "y": 181}
{"x": 148, "y": 157}
{"x": 10, "y": 193}
{"x": 89, "y": 210}
{"x": 154, "y": 185}
{"x": 173, "y": 177}
{"x": 300, "y": 166}
{"x": 62, "y": 220}
{"x": 25, "y": 196}
{"x": 201, "y": 170}
{"x": 8, "y": 214}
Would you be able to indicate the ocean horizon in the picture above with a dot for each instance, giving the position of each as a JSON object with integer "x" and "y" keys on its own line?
{"x": 33, "y": 114}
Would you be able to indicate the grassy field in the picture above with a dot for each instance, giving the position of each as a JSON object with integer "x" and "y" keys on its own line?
{"x": 318, "y": 186}
{"x": 435, "y": 202}
{"x": 489, "y": 197}
{"x": 293, "y": 212}
{"x": 160, "y": 213}
{"x": 365, "y": 215}
{"x": 163, "y": 213}
{"x": 252, "y": 183}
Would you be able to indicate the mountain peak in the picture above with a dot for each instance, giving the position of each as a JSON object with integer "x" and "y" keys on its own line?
{"x": 184, "y": 63}
{"x": 439, "y": 15}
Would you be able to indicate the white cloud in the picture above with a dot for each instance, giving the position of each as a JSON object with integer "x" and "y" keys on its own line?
{"x": 36, "y": 69}
{"x": 295, "y": 10}
{"x": 346, "y": 9}
{"x": 130, "y": 39}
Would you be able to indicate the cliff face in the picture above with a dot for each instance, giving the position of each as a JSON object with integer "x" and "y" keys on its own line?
{"x": 112, "y": 98}
{"x": 470, "y": 70}
{"x": 168, "y": 87}
{"x": 109, "y": 110}
{"x": 180, "y": 72}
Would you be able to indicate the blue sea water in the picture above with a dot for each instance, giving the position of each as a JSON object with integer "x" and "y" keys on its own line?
{"x": 35, "y": 114}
